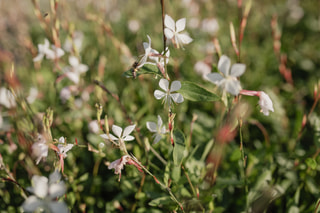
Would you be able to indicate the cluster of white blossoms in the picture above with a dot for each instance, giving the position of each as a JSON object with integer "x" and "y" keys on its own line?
{"x": 50, "y": 53}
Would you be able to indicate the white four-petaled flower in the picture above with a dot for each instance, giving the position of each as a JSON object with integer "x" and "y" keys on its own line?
{"x": 228, "y": 80}
{"x": 158, "y": 129}
{"x": 45, "y": 194}
{"x": 64, "y": 148}
{"x": 118, "y": 132}
{"x": 173, "y": 31}
{"x": 168, "y": 95}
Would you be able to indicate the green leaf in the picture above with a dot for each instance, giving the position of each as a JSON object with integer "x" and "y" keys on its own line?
{"x": 179, "y": 147}
{"x": 311, "y": 163}
{"x": 146, "y": 69}
{"x": 176, "y": 173}
{"x": 194, "y": 92}
{"x": 161, "y": 201}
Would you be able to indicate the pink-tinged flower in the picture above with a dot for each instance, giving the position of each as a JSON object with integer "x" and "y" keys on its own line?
{"x": 173, "y": 31}
{"x": 227, "y": 81}
{"x": 40, "y": 148}
{"x": 265, "y": 102}
{"x": 63, "y": 148}
{"x": 167, "y": 94}
{"x": 158, "y": 129}
{"x": 118, "y": 165}
{"x": 45, "y": 194}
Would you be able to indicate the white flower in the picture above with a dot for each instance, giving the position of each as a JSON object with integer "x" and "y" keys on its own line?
{"x": 43, "y": 49}
{"x": 74, "y": 42}
{"x": 94, "y": 126}
{"x": 118, "y": 165}
{"x": 264, "y": 100}
{"x": 202, "y": 69}
{"x": 173, "y": 31}
{"x": 56, "y": 53}
{"x": 45, "y": 193}
{"x": 7, "y": 98}
{"x": 40, "y": 148}
{"x": 133, "y": 25}
{"x": 210, "y": 25}
{"x": 149, "y": 53}
{"x": 118, "y": 132}
{"x": 228, "y": 81}
{"x": 73, "y": 72}
{"x": 158, "y": 129}
{"x": 164, "y": 84}
{"x": 265, "y": 103}
{"x": 64, "y": 148}
{"x": 65, "y": 94}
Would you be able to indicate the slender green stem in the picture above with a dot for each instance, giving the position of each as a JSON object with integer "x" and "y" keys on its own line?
{"x": 244, "y": 162}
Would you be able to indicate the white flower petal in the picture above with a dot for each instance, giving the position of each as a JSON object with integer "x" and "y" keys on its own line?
{"x": 73, "y": 76}
{"x": 117, "y": 130}
{"x": 128, "y": 138}
{"x": 180, "y": 25}
{"x": 184, "y": 38}
{"x": 111, "y": 137}
{"x": 58, "y": 207}
{"x": 73, "y": 61}
{"x": 164, "y": 84}
{"x": 157, "y": 138}
{"x": 151, "y": 126}
{"x": 175, "y": 85}
{"x": 224, "y": 65}
{"x": 177, "y": 97}
{"x": 169, "y": 22}
{"x": 237, "y": 70}
{"x": 39, "y": 57}
{"x": 31, "y": 204}
{"x": 57, "y": 189}
{"x": 40, "y": 186}
{"x": 159, "y": 94}
{"x": 159, "y": 121}
{"x": 168, "y": 33}
{"x": 233, "y": 87}
{"x": 215, "y": 78}
{"x": 54, "y": 177}
{"x": 61, "y": 140}
{"x": 128, "y": 130}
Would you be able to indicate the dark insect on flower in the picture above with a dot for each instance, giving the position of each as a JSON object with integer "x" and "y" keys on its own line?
{"x": 134, "y": 69}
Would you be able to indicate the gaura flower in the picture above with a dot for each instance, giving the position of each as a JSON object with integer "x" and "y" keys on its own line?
{"x": 118, "y": 165}
{"x": 74, "y": 71}
{"x": 63, "y": 148}
{"x": 173, "y": 31}
{"x": 265, "y": 102}
{"x": 168, "y": 95}
{"x": 45, "y": 194}
{"x": 7, "y": 99}
{"x": 44, "y": 50}
{"x": 40, "y": 148}
{"x": 158, "y": 129}
{"x": 118, "y": 132}
{"x": 228, "y": 81}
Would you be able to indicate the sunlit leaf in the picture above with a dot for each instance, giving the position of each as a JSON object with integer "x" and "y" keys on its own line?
{"x": 194, "y": 92}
